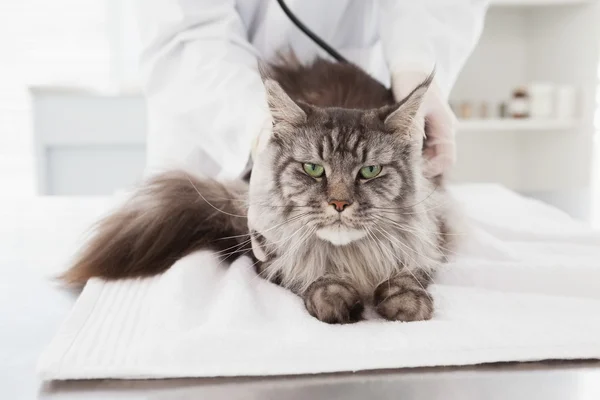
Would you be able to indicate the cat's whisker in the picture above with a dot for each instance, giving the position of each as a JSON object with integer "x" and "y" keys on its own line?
{"x": 388, "y": 279}
{"x": 245, "y": 201}
{"x": 374, "y": 239}
{"x": 275, "y": 249}
{"x": 270, "y": 274}
{"x": 312, "y": 277}
{"x": 425, "y": 258}
{"x": 410, "y": 228}
{"x": 378, "y": 242}
{"x": 435, "y": 188}
{"x": 415, "y": 228}
{"x": 241, "y": 252}
{"x": 390, "y": 209}
{"x": 238, "y": 248}
{"x": 288, "y": 221}
{"x": 234, "y": 246}
{"x": 209, "y": 203}
{"x": 292, "y": 253}
{"x": 383, "y": 231}
{"x": 398, "y": 242}
{"x": 421, "y": 234}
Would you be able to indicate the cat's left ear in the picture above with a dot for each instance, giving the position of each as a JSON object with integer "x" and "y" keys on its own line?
{"x": 401, "y": 116}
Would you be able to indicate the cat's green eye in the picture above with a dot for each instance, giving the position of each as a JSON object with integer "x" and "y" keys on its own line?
{"x": 314, "y": 170}
{"x": 370, "y": 171}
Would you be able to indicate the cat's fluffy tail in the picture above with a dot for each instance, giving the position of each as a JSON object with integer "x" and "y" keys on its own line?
{"x": 170, "y": 216}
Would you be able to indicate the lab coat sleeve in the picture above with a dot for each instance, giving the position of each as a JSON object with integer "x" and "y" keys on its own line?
{"x": 205, "y": 98}
{"x": 418, "y": 34}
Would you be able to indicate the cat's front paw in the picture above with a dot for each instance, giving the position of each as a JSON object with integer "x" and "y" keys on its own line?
{"x": 333, "y": 301}
{"x": 403, "y": 300}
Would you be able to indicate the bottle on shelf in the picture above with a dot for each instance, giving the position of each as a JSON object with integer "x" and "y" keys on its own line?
{"x": 466, "y": 110}
{"x": 518, "y": 107}
{"x": 503, "y": 110}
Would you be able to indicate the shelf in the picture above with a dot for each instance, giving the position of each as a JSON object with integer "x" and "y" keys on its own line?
{"x": 513, "y": 125}
{"x": 533, "y": 3}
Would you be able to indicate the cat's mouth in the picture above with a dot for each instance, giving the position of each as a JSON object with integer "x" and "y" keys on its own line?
{"x": 339, "y": 234}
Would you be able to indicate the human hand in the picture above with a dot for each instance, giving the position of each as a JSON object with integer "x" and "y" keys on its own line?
{"x": 440, "y": 148}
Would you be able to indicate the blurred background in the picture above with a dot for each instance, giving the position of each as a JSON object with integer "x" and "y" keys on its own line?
{"x": 72, "y": 115}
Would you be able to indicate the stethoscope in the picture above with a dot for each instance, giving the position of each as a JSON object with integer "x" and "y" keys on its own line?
{"x": 320, "y": 42}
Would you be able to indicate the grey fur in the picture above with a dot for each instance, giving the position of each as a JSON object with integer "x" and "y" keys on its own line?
{"x": 382, "y": 248}
{"x": 401, "y": 210}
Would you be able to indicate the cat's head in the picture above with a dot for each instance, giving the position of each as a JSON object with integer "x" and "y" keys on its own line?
{"x": 339, "y": 171}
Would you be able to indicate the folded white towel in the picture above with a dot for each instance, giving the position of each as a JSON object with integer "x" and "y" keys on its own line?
{"x": 526, "y": 287}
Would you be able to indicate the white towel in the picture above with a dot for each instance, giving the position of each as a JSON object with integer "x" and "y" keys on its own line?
{"x": 526, "y": 287}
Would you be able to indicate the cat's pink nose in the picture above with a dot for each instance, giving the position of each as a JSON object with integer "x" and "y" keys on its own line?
{"x": 339, "y": 205}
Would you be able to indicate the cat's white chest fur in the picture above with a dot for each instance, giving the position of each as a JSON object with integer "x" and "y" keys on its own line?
{"x": 339, "y": 235}
{"x": 362, "y": 261}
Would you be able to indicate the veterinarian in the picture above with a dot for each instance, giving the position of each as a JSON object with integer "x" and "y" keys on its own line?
{"x": 205, "y": 98}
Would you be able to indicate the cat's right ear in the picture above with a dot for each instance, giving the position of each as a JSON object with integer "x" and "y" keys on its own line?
{"x": 282, "y": 107}
{"x": 401, "y": 116}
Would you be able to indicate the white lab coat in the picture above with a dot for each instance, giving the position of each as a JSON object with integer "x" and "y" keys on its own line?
{"x": 205, "y": 98}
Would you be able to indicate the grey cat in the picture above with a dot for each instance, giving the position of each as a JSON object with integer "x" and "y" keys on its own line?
{"x": 338, "y": 209}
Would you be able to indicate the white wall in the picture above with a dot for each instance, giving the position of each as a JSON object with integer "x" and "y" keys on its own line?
{"x": 519, "y": 44}
{"x": 88, "y": 143}
{"x": 557, "y": 44}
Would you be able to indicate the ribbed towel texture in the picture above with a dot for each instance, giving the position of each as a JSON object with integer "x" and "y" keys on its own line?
{"x": 526, "y": 286}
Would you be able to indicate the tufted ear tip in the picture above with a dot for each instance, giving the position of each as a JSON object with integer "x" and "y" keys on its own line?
{"x": 282, "y": 107}
{"x": 401, "y": 115}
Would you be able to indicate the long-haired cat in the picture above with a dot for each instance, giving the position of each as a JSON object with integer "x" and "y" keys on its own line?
{"x": 337, "y": 208}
